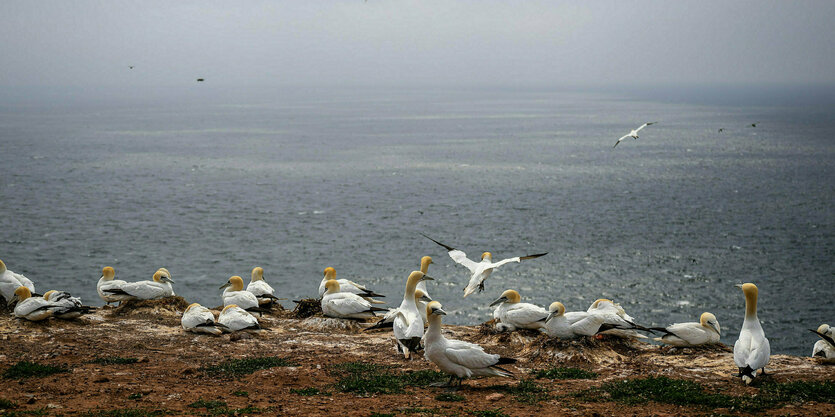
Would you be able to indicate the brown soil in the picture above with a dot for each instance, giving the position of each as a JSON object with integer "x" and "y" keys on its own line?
{"x": 168, "y": 374}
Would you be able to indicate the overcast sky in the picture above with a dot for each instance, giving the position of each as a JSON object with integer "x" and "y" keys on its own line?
{"x": 92, "y": 43}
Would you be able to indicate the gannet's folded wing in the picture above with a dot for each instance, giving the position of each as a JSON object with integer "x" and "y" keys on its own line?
{"x": 526, "y": 315}
{"x": 146, "y": 290}
{"x": 348, "y": 306}
{"x": 692, "y": 333}
{"x": 471, "y": 358}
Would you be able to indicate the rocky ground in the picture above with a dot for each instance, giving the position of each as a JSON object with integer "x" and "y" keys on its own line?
{"x": 135, "y": 360}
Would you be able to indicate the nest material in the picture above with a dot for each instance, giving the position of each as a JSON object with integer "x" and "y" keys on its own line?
{"x": 306, "y": 308}
{"x": 168, "y": 306}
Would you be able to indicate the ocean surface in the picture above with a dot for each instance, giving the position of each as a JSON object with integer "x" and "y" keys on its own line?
{"x": 211, "y": 183}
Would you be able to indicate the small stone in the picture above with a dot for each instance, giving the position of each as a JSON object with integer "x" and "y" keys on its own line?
{"x": 50, "y": 405}
{"x": 189, "y": 371}
{"x": 143, "y": 359}
{"x": 239, "y": 336}
{"x": 494, "y": 397}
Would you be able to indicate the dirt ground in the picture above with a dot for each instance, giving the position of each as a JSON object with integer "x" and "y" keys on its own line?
{"x": 168, "y": 374}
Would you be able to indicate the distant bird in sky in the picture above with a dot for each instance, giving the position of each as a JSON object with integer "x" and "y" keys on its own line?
{"x": 754, "y": 124}
{"x": 200, "y": 80}
{"x": 634, "y": 133}
{"x": 130, "y": 66}
{"x": 721, "y": 129}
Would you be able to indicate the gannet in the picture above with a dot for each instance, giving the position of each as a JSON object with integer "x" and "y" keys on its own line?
{"x": 825, "y": 348}
{"x": 751, "y": 350}
{"x": 234, "y": 294}
{"x": 408, "y": 324}
{"x": 480, "y": 270}
{"x": 634, "y": 133}
{"x": 160, "y": 287}
{"x": 424, "y": 267}
{"x": 345, "y": 305}
{"x": 106, "y": 282}
{"x": 615, "y": 320}
{"x": 421, "y": 300}
{"x": 67, "y": 306}
{"x": 706, "y": 331}
{"x": 258, "y": 287}
{"x": 30, "y": 308}
{"x": 348, "y": 286}
{"x": 458, "y": 358}
{"x": 512, "y": 315}
{"x": 570, "y": 325}
{"x": 199, "y": 319}
{"x": 10, "y": 281}
{"x": 237, "y": 319}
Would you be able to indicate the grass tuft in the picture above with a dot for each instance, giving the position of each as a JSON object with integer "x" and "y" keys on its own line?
{"x": 240, "y": 393}
{"x": 126, "y": 412}
{"x": 527, "y": 391}
{"x": 488, "y": 413}
{"x": 209, "y": 405}
{"x": 240, "y": 367}
{"x": 366, "y": 378}
{"x": 563, "y": 373}
{"x": 376, "y": 414}
{"x": 6, "y": 404}
{"x": 24, "y": 369}
{"x": 114, "y": 360}
{"x": 448, "y": 396}
{"x": 308, "y": 392}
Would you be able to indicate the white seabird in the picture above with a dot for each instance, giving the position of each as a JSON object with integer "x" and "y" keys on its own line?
{"x": 237, "y": 319}
{"x": 106, "y": 282}
{"x": 615, "y": 320}
{"x": 751, "y": 350}
{"x": 512, "y": 315}
{"x": 199, "y": 319}
{"x": 234, "y": 294}
{"x": 824, "y": 348}
{"x": 160, "y": 287}
{"x": 421, "y": 300}
{"x": 706, "y": 331}
{"x": 345, "y": 305}
{"x": 424, "y": 267}
{"x": 30, "y": 308}
{"x": 258, "y": 287}
{"x": 570, "y": 325}
{"x": 10, "y": 281}
{"x": 408, "y": 323}
{"x": 348, "y": 286}
{"x": 480, "y": 270}
{"x": 67, "y": 306}
{"x": 634, "y": 133}
{"x": 457, "y": 358}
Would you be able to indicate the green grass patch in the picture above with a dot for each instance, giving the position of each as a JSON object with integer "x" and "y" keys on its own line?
{"x": 240, "y": 367}
{"x": 489, "y": 413}
{"x": 209, "y": 405}
{"x": 800, "y": 391}
{"x": 366, "y": 378}
{"x": 135, "y": 396}
{"x": 6, "y": 404}
{"x": 20, "y": 413}
{"x": 376, "y": 414}
{"x": 115, "y": 360}
{"x": 24, "y": 369}
{"x": 126, "y": 412}
{"x": 420, "y": 411}
{"x": 563, "y": 373}
{"x": 308, "y": 392}
{"x": 240, "y": 393}
{"x": 449, "y": 396}
{"x": 220, "y": 408}
{"x": 527, "y": 391}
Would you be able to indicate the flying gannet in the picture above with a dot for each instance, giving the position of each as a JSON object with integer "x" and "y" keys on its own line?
{"x": 512, "y": 315}
{"x": 457, "y": 358}
{"x": 824, "y": 348}
{"x": 66, "y": 306}
{"x": 751, "y": 350}
{"x": 10, "y": 281}
{"x": 570, "y": 325}
{"x": 345, "y": 305}
{"x": 706, "y": 331}
{"x": 634, "y": 133}
{"x": 348, "y": 286}
{"x": 258, "y": 287}
{"x": 480, "y": 270}
{"x": 199, "y": 319}
{"x": 237, "y": 319}
{"x": 615, "y": 320}
{"x": 160, "y": 287}
{"x": 408, "y": 323}
{"x": 30, "y": 308}
{"x": 234, "y": 294}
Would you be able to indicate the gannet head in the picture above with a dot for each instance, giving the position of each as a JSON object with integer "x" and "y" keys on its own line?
{"x": 509, "y": 296}
{"x": 487, "y": 255}
{"x": 556, "y": 309}
{"x": 165, "y": 272}
{"x": 750, "y": 290}
{"x": 415, "y": 277}
{"x": 597, "y": 302}
{"x": 108, "y": 273}
{"x": 47, "y": 294}
{"x": 190, "y": 306}
{"x": 2, "y": 266}
{"x": 257, "y": 274}
{"x": 824, "y": 329}
{"x": 424, "y": 264}
{"x": 20, "y": 294}
{"x": 420, "y": 296}
{"x": 228, "y": 307}
{"x": 434, "y": 308}
{"x": 162, "y": 276}
{"x": 235, "y": 283}
{"x": 709, "y": 320}
{"x": 330, "y": 273}
{"x": 331, "y": 286}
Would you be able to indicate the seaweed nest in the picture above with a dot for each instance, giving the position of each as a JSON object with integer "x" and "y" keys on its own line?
{"x": 168, "y": 306}
{"x": 330, "y": 325}
{"x": 306, "y": 308}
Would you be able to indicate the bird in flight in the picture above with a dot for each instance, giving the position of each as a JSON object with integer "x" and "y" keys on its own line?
{"x": 634, "y": 133}
{"x": 130, "y": 66}
{"x": 199, "y": 80}
{"x": 754, "y": 124}
{"x": 721, "y": 129}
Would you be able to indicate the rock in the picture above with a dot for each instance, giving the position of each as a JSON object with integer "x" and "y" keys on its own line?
{"x": 240, "y": 336}
{"x": 494, "y": 397}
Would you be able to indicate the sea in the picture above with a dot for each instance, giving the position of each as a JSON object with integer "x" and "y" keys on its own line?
{"x": 211, "y": 181}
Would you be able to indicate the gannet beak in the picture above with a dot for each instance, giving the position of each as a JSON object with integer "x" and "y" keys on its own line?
{"x": 498, "y": 301}
{"x": 425, "y": 298}
{"x": 716, "y": 327}
{"x": 12, "y": 301}
{"x": 166, "y": 279}
{"x": 550, "y": 316}
{"x": 427, "y": 278}
{"x": 225, "y": 285}
{"x": 738, "y": 286}
{"x": 439, "y": 312}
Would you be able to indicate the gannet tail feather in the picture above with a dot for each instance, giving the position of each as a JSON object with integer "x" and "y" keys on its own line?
{"x": 382, "y": 324}
{"x": 503, "y": 371}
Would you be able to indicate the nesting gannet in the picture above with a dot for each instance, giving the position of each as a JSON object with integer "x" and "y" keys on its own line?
{"x": 421, "y": 300}
{"x": 10, "y": 281}
{"x": 480, "y": 270}
{"x": 30, "y": 308}
{"x": 512, "y": 315}
{"x": 570, "y": 325}
{"x": 458, "y": 358}
{"x": 634, "y": 133}
{"x": 237, "y": 319}
{"x": 706, "y": 331}
{"x": 615, "y": 320}
{"x": 348, "y": 286}
{"x": 66, "y": 306}
{"x": 424, "y": 267}
{"x": 408, "y": 323}
{"x": 106, "y": 282}
{"x": 825, "y": 348}
{"x": 345, "y": 305}
{"x": 160, "y": 287}
{"x": 199, "y": 319}
{"x": 258, "y": 287}
{"x": 751, "y": 350}
{"x": 234, "y": 294}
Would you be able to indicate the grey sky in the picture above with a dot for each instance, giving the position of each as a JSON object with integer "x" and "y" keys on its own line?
{"x": 91, "y": 43}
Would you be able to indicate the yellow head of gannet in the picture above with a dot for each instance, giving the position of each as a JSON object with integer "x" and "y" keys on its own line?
{"x": 424, "y": 264}
{"x": 420, "y": 296}
{"x": 414, "y": 278}
{"x": 235, "y": 283}
{"x": 47, "y": 294}
{"x": 257, "y": 274}
{"x": 161, "y": 276}
{"x": 20, "y": 294}
{"x": 108, "y": 273}
{"x": 600, "y": 300}
{"x": 750, "y": 290}
{"x": 824, "y": 329}
{"x": 487, "y": 255}
{"x": 228, "y": 307}
{"x": 2, "y": 266}
{"x": 709, "y": 320}
{"x": 190, "y": 306}
{"x": 556, "y": 309}
{"x": 165, "y": 272}
{"x": 330, "y": 273}
{"x": 434, "y": 308}
{"x": 331, "y": 286}
{"x": 509, "y": 296}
